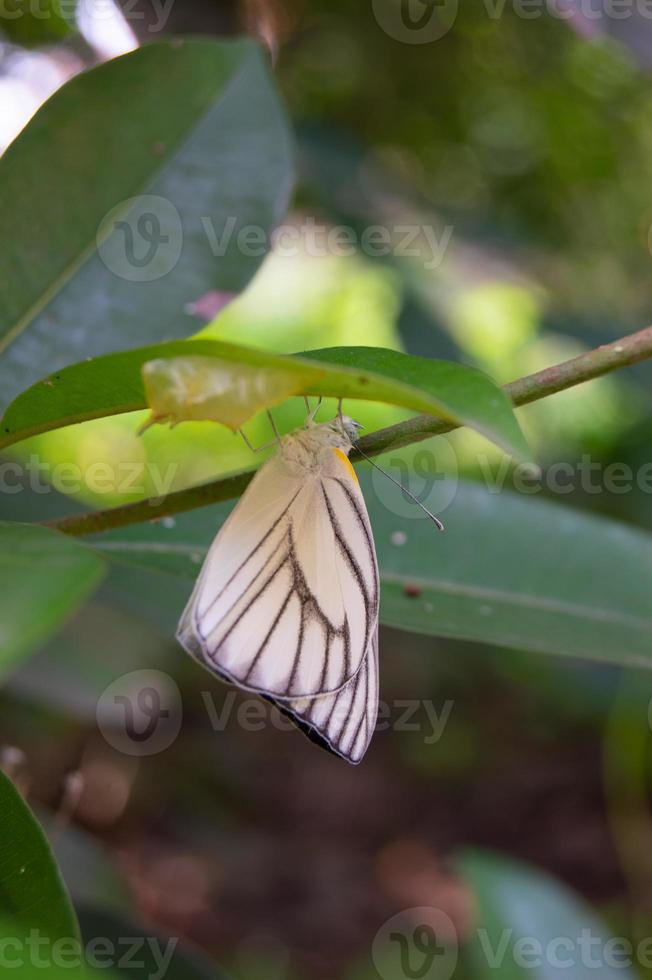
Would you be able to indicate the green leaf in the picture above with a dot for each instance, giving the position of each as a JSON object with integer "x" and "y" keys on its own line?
{"x": 44, "y": 577}
{"x": 33, "y": 897}
{"x": 163, "y": 156}
{"x": 528, "y": 925}
{"x": 518, "y": 572}
{"x": 508, "y": 570}
{"x": 112, "y": 384}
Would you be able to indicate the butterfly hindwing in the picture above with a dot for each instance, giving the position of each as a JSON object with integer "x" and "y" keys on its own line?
{"x": 342, "y": 722}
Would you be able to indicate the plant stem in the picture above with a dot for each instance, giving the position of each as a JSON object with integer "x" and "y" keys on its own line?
{"x": 609, "y": 357}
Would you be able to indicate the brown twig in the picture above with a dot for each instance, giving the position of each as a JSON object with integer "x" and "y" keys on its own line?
{"x": 609, "y": 357}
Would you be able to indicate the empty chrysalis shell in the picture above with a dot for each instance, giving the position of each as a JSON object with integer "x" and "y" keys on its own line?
{"x": 196, "y": 388}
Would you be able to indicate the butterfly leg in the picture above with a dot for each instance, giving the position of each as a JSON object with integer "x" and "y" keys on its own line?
{"x": 312, "y": 412}
{"x": 275, "y": 442}
{"x": 277, "y": 436}
{"x": 254, "y": 449}
{"x": 258, "y": 449}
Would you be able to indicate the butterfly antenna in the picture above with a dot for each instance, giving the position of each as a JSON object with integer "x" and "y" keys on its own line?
{"x": 396, "y": 483}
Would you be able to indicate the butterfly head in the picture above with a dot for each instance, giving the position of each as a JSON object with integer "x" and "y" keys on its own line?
{"x": 349, "y": 427}
{"x": 341, "y": 432}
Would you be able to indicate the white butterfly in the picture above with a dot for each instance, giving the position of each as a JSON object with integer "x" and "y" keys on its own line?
{"x": 286, "y": 603}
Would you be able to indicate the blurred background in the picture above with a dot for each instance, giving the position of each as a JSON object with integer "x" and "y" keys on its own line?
{"x": 524, "y": 145}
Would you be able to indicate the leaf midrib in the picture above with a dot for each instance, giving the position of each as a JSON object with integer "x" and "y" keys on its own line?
{"x": 447, "y": 586}
{"x": 526, "y": 600}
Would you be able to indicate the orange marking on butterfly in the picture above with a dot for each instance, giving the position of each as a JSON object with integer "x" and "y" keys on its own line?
{"x": 347, "y": 463}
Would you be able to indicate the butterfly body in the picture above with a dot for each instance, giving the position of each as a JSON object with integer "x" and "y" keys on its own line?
{"x": 286, "y": 604}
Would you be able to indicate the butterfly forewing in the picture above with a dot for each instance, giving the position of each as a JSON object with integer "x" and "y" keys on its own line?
{"x": 288, "y": 596}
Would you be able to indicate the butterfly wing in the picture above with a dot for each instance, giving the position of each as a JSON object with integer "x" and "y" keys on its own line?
{"x": 286, "y": 603}
{"x": 240, "y": 555}
{"x": 342, "y": 722}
